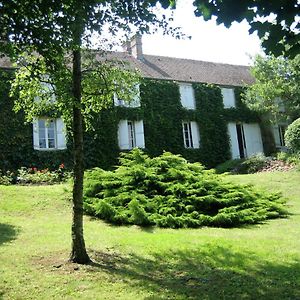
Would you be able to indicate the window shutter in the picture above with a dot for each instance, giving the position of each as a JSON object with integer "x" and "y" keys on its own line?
{"x": 276, "y": 135}
{"x": 60, "y": 134}
{"x": 139, "y": 134}
{"x": 35, "y": 127}
{"x": 228, "y": 97}
{"x": 253, "y": 139}
{"x": 195, "y": 135}
{"x": 234, "y": 145}
{"x": 123, "y": 137}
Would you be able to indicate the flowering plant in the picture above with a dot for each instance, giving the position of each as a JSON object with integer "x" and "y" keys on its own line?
{"x": 33, "y": 175}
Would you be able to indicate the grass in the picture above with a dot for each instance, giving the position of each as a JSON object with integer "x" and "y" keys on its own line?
{"x": 257, "y": 262}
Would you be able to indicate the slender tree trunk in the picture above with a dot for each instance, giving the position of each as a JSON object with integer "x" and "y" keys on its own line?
{"x": 78, "y": 252}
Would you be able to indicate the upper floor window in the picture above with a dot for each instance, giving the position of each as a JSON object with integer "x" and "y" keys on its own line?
{"x": 228, "y": 97}
{"x": 135, "y": 102}
{"x": 187, "y": 96}
{"x": 49, "y": 134}
{"x": 191, "y": 136}
{"x": 131, "y": 134}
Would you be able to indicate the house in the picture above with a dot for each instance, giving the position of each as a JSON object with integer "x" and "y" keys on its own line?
{"x": 184, "y": 106}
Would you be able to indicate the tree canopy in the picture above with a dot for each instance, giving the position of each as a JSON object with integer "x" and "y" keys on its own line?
{"x": 52, "y": 41}
{"x": 276, "y": 22}
{"x": 276, "y": 89}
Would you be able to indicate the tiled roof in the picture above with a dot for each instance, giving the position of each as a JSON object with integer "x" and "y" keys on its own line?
{"x": 178, "y": 69}
{"x": 187, "y": 70}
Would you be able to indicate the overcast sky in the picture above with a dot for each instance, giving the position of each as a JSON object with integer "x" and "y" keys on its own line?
{"x": 209, "y": 42}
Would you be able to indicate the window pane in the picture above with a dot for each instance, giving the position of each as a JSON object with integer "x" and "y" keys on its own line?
{"x": 51, "y": 143}
{"x": 42, "y": 133}
{"x": 41, "y": 123}
{"x": 50, "y": 133}
{"x": 131, "y": 134}
{"x": 50, "y": 124}
{"x": 42, "y": 143}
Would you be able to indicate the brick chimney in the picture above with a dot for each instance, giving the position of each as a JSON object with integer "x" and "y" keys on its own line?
{"x": 134, "y": 46}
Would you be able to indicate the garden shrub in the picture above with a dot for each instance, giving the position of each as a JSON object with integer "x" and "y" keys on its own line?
{"x": 290, "y": 158}
{"x": 7, "y": 178}
{"x": 252, "y": 164}
{"x": 249, "y": 165}
{"x": 228, "y": 166}
{"x": 170, "y": 192}
{"x": 44, "y": 176}
{"x": 292, "y": 136}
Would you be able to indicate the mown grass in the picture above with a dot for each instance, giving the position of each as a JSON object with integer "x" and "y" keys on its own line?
{"x": 256, "y": 262}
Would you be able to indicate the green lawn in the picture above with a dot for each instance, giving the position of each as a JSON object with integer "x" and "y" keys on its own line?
{"x": 256, "y": 262}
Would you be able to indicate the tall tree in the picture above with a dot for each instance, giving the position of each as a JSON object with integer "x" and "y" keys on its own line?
{"x": 276, "y": 22}
{"x": 57, "y": 32}
{"x": 276, "y": 89}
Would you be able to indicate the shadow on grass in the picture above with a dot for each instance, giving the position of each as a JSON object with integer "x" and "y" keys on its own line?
{"x": 7, "y": 233}
{"x": 210, "y": 273}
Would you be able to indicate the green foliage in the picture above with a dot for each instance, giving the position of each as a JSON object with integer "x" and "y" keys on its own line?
{"x": 292, "y": 136}
{"x": 290, "y": 158}
{"x": 45, "y": 176}
{"x": 170, "y": 192}
{"x": 7, "y": 178}
{"x": 228, "y": 166}
{"x": 252, "y": 164}
{"x": 249, "y": 165}
{"x": 161, "y": 112}
{"x": 276, "y": 88}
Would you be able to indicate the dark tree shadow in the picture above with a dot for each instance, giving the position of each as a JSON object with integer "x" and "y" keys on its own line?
{"x": 7, "y": 233}
{"x": 210, "y": 273}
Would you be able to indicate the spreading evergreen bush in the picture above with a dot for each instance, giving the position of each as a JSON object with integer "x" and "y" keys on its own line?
{"x": 292, "y": 136}
{"x": 170, "y": 192}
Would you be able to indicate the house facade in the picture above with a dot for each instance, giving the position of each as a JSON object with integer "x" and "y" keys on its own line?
{"x": 188, "y": 107}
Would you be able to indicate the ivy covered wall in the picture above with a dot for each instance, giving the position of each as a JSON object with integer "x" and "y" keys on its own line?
{"x": 161, "y": 112}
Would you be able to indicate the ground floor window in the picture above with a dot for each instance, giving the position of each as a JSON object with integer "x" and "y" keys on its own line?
{"x": 190, "y": 134}
{"x": 131, "y": 134}
{"x": 278, "y": 132}
{"x": 49, "y": 134}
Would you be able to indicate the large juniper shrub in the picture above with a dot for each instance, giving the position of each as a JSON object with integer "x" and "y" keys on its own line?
{"x": 170, "y": 192}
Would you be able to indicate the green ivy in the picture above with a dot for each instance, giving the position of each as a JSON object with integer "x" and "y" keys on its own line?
{"x": 161, "y": 112}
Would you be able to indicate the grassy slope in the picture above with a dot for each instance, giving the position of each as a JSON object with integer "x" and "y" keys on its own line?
{"x": 258, "y": 262}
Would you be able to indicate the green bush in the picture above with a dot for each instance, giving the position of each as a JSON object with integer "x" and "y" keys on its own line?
{"x": 44, "y": 176}
{"x": 7, "y": 178}
{"x": 292, "y": 136}
{"x": 252, "y": 164}
{"x": 249, "y": 165}
{"x": 170, "y": 192}
{"x": 229, "y": 166}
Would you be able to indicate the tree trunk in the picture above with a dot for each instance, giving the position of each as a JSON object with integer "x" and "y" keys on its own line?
{"x": 78, "y": 253}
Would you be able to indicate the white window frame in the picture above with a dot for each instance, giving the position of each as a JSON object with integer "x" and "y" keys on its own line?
{"x": 46, "y": 130}
{"x": 187, "y": 95}
{"x": 191, "y": 137}
{"x": 228, "y": 95}
{"x": 59, "y": 134}
{"x": 135, "y": 102}
{"x": 131, "y": 134}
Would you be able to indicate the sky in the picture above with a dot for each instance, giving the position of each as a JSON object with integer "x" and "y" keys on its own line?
{"x": 209, "y": 42}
